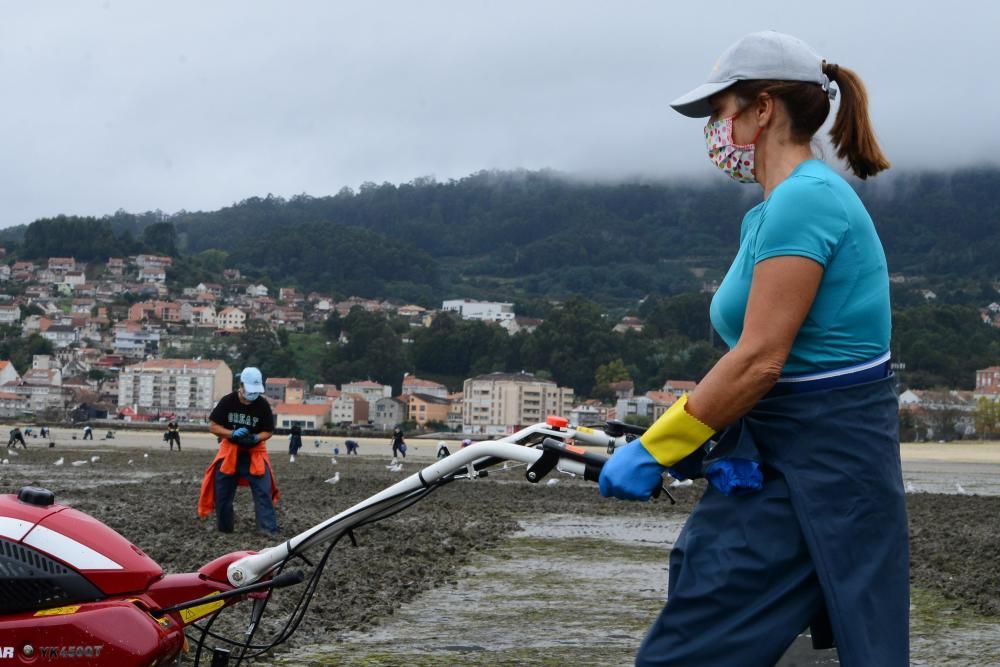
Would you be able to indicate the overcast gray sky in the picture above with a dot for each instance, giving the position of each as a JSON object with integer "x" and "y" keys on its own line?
{"x": 197, "y": 104}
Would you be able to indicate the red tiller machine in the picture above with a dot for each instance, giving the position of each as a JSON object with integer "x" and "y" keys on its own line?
{"x": 73, "y": 591}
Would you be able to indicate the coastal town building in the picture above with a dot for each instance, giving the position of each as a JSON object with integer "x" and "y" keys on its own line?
{"x": 307, "y": 416}
{"x": 186, "y": 387}
{"x": 487, "y": 311}
{"x": 414, "y": 385}
{"x": 500, "y": 403}
{"x": 423, "y": 408}
{"x": 285, "y": 390}
{"x": 390, "y": 412}
{"x": 371, "y": 391}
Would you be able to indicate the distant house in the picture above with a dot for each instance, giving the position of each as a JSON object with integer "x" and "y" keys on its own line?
{"x": 390, "y": 411}
{"x": 372, "y": 391}
{"x": 987, "y": 383}
{"x": 488, "y": 311}
{"x": 12, "y": 405}
{"x": 10, "y": 315}
{"x": 423, "y": 408}
{"x": 256, "y": 290}
{"x": 679, "y": 387}
{"x": 306, "y": 416}
{"x": 350, "y": 409}
{"x": 62, "y": 264}
{"x": 153, "y": 274}
{"x": 8, "y": 373}
{"x": 231, "y": 319}
{"x": 116, "y": 266}
{"x": 285, "y": 390}
{"x": 628, "y": 324}
{"x": 414, "y": 385}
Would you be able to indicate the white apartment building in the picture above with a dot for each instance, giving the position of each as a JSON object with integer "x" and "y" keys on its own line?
{"x": 489, "y": 311}
{"x": 231, "y": 318}
{"x": 500, "y": 403}
{"x": 187, "y": 387}
{"x": 349, "y": 409}
{"x": 10, "y": 315}
{"x": 414, "y": 385}
{"x": 136, "y": 343}
{"x": 372, "y": 391}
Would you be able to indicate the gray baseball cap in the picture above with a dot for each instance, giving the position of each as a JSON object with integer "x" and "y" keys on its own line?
{"x": 759, "y": 55}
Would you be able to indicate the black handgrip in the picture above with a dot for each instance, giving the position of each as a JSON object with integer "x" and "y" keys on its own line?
{"x": 288, "y": 579}
{"x": 616, "y": 428}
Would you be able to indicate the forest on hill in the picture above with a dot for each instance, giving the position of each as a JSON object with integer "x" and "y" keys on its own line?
{"x": 533, "y": 235}
{"x": 535, "y": 238}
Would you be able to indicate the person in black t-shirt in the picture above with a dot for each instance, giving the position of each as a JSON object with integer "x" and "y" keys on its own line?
{"x": 173, "y": 435}
{"x": 398, "y": 444}
{"x": 244, "y": 419}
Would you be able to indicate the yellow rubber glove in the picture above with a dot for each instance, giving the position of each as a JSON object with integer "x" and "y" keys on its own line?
{"x": 675, "y": 434}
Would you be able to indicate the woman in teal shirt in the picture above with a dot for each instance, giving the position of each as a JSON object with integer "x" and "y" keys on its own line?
{"x": 804, "y": 522}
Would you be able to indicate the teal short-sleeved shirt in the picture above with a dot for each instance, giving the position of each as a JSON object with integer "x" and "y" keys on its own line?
{"x": 814, "y": 213}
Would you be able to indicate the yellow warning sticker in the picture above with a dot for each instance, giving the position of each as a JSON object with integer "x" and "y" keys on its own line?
{"x": 58, "y": 611}
{"x": 584, "y": 429}
{"x": 192, "y": 614}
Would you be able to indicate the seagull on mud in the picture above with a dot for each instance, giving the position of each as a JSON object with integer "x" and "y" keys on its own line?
{"x": 5, "y": 462}
{"x": 95, "y": 459}
{"x": 130, "y": 462}
{"x": 59, "y": 461}
{"x": 77, "y": 464}
{"x": 396, "y": 468}
{"x": 552, "y": 482}
{"x": 333, "y": 460}
{"x": 145, "y": 456}
{"x": 910, "y": 488}
{"x": 678, "y": 483}
{"x": 961, "y": 490}
{"x": 334, "y": 479}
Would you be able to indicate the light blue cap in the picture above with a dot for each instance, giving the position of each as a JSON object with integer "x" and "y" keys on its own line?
{"x": 252, "y": 380}
{"x": 757, "y": 56}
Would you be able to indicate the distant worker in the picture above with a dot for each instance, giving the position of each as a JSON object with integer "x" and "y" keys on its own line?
{"x": 243, "y": 422}
{"x": 294, "y": 443}
{"x": 16, "y": 437}
{"x": 466, "y": 443}
{"x": 173, "y": 435}
{"x": 88, "y": 433}
{"x": 442, "y": 450}
{"x": 398, "y": 444}
{"x": 352, "y": 447}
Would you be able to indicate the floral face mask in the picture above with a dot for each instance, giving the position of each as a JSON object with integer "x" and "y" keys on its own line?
{"x": 735, "y": 160}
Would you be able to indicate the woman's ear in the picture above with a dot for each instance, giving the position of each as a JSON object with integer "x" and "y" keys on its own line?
{"x": 764, "y": 109}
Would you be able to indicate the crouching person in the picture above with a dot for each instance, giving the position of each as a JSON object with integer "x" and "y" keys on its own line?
{"x": 243, "y": 422}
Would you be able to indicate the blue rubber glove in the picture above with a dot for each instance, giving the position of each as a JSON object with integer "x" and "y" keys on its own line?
{"x": 238, "y": 433}
{"x": 631, "y": 473}
{"x": 248, "y": 440}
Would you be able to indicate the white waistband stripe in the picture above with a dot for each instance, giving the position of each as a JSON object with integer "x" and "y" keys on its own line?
{"x": 847, "y": 370}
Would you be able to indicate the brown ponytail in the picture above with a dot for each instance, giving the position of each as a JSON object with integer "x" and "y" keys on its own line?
{"x": 852, "y": 133}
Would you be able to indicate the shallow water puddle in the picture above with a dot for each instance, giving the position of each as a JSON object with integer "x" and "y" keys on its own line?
{"x": 578, "y": 590}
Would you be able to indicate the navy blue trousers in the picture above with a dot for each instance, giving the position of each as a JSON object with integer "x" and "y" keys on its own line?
{"x": 260, "y": 488}
{"x": 742, "y": 585}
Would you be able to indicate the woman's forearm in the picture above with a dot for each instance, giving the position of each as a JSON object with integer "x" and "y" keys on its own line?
{"x": 733, "y": 386}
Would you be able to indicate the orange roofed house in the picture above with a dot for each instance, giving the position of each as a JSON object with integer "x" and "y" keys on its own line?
{"x": 423, "y": 408}
{"x": 307, "y": 416}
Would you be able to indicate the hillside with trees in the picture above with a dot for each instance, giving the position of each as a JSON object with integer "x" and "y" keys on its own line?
{"x": 538, "y": 239}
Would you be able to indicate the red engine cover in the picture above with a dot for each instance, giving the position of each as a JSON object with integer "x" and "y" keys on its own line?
{"x": 106, "y": 633}
{"x": 107, "y": 559}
